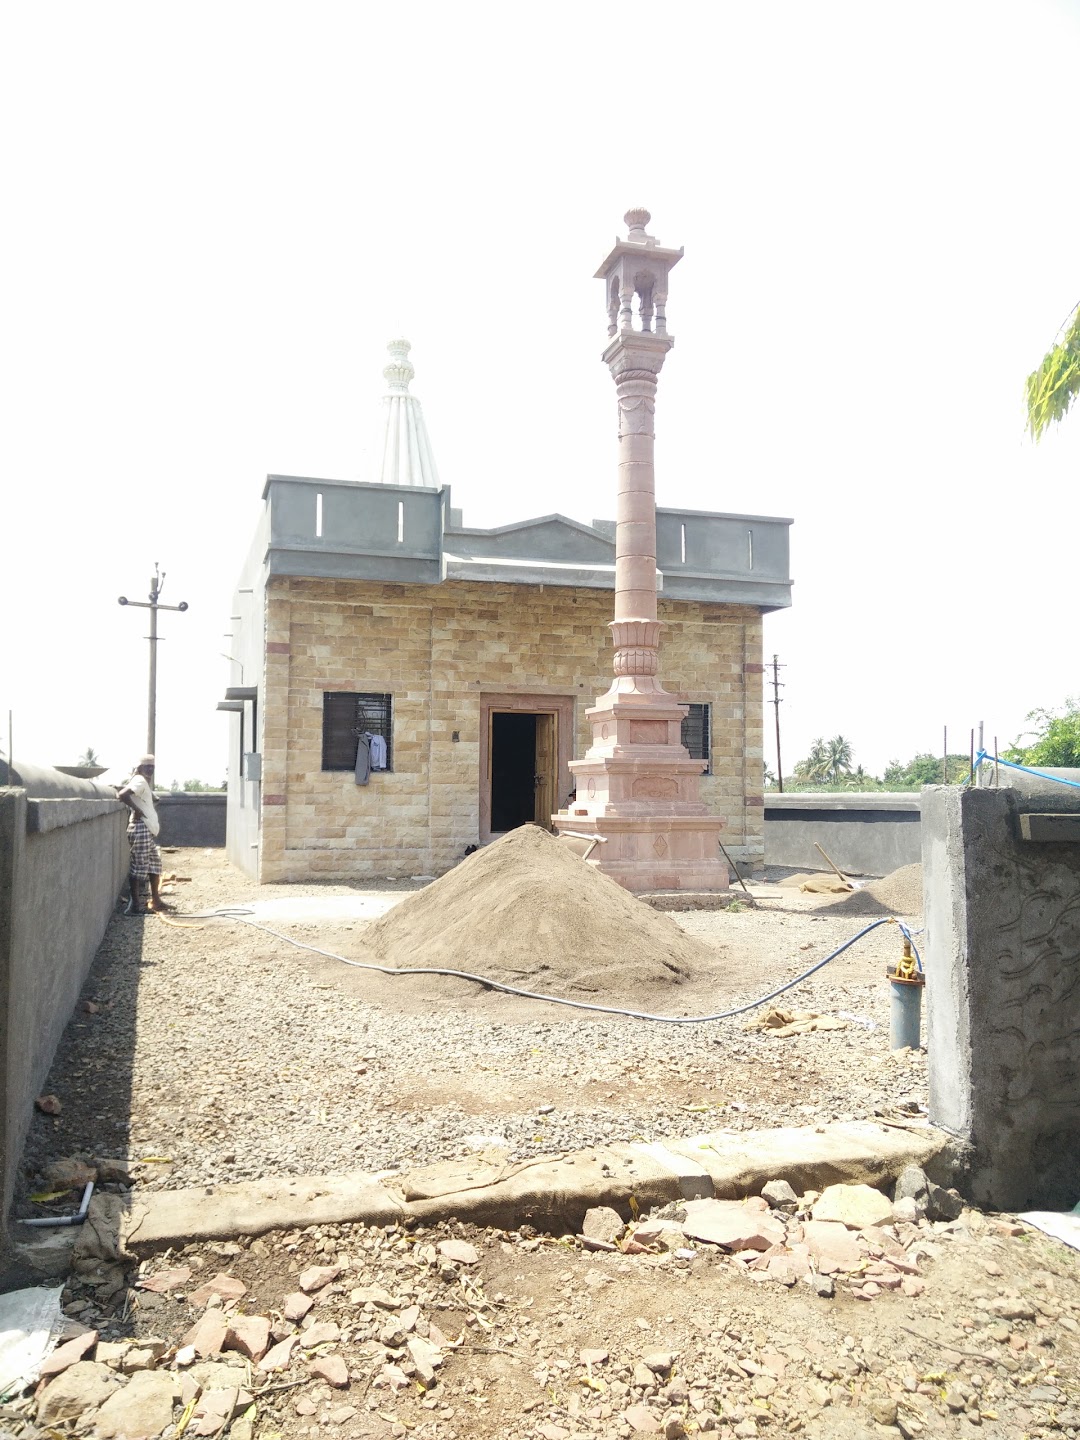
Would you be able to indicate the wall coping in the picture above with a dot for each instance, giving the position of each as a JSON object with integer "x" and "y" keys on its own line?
{"x": 833, "y": 800}
{"x": 45, "y": 815}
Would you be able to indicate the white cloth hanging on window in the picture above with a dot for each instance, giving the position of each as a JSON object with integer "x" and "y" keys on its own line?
{"x": 378, "y": 752}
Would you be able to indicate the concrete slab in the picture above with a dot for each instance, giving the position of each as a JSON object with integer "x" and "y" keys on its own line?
{"x": 862, "y": 1152}
{"x": 552, "y": 1192}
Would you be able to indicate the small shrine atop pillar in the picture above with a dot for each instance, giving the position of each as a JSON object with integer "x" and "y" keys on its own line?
{"x": 637, "y": 269}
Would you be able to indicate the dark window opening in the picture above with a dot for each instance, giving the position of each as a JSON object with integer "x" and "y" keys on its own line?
{"x": 696, "y": 734}
{"x": 348, "y": 714}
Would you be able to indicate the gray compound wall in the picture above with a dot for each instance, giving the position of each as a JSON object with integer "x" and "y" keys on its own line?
{"x": 63, "y": 859}
{"x": 1001, "y": 875}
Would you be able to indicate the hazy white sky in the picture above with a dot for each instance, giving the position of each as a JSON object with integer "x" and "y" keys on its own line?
{"x": 218, "y": 214}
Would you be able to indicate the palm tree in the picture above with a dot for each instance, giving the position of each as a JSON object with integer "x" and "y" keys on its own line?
{"x": 816, "y": 764}
{"x": 1052, "y": 388}
{"x": 89, "y": 757}
{"x": 839, "y": 755}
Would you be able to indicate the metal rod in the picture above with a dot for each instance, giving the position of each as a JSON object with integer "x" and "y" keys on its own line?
{"x": 731, "y": 862}
{"x": 971, "y": 776}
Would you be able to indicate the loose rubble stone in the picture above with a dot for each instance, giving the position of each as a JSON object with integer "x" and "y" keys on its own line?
{"x": 330, "y": 1368}
{"x": 208, "y": 1334}
{"x": 67, "y": 1354}
{"x": 278, "y": 1357}
{"x": 460, "y": 1251}
{"x": 82, "y": 1386}
{"x": 732, "y": 1224}
{"x": 227, "y": 1287}
{"x": 942, "y": 1204}
{"x": 142, "y": 1408}
{"x": 250, "y": 1334}
{"x": 855, "y": 1206}
{"x": 832, "y": 1245}
{"x": 781, "y": 1196}
{"x": 318, "y": 1276}
{"x": 604, "y": 1224}
{"x": 296, "y": 1306}
{"x": 642, "y": 1419}
{"x": 323, "y": 1332}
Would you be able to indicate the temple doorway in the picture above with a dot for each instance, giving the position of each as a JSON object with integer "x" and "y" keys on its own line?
{"x": 524, "y": 777}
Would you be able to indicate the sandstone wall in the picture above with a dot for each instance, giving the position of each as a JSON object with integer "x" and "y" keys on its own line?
{"x": 436, "y": 649}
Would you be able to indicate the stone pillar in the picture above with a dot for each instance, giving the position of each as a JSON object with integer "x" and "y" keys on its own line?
{"x": 1002, "y": 954}
{"x": 637, "y": 785}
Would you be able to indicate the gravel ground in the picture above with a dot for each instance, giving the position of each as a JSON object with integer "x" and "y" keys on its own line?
{"x": 221, "y": 1053}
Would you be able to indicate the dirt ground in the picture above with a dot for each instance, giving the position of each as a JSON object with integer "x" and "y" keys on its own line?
{"x": 206, "y": 1050}
{"x": 220, "y": 1052}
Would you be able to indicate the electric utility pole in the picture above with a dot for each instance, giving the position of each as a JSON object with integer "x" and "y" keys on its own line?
{"x": 157, "y": 584}
{"x": 777, "y": 686}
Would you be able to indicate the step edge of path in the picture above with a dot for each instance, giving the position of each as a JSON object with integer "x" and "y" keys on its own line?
{"x": 550, "y": 1193}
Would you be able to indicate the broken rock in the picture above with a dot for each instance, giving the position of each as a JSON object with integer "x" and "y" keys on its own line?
{"x": 459, "y": 1251}
{"x": 832, "y": 1245}
{"x": 82, "y": 1386}
{"x": 330, "y": 1368}
{"x": 781, "y": 1196}
{"x": 227, "y": 1287}
{"x": 278, "y": 1358}
{"x": 603, "y": 1223}
{"x": 297, "y": 1306}
{"x": 66, "y": 1355}
{"x": 733, "y": 1225}
{"x": 855, "y": 1206}
{"x": 250, "y": 1334}
{"x": 316, "y": 1276}
{"x": 143, "y": 1407}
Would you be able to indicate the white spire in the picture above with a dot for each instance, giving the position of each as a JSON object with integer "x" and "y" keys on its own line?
{"x": 406, "y": 450}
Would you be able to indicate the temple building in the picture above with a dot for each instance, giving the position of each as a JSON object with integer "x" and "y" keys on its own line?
{"x": 460, "y": 662}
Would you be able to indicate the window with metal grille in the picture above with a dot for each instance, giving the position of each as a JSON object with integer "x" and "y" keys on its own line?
{"x": 695, "y": 734}
{"x": 346, "y": 715}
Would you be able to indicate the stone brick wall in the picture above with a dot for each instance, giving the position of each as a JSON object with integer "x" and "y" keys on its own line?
{"x": 436, "y": 649}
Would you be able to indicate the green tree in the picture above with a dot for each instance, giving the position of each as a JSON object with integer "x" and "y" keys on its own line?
{"x": 841, "y": 756}
{"x": 89, "y": 757}
{"x": 1054, "y": 741}
{"x": 925, "y": 769}
{"x": 1051, "y": 389}
{"x": 816, "y": 764}
{"x": 195, "y": 785}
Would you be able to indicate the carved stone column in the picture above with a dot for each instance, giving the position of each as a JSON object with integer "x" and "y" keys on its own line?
{"x": 637, "y": 784}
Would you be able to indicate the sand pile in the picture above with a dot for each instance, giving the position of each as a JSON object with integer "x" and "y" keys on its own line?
{"x": 897, "y": 894}
{"x": 526, "y": 911}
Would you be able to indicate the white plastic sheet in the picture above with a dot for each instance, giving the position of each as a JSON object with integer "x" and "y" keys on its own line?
{"x": 30, "y": 1320}
{"x": 1064, "y": 1227}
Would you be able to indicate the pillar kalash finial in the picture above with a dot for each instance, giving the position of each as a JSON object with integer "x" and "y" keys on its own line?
{"x": 399, "y": 371}
{"x": 637, "y": 266}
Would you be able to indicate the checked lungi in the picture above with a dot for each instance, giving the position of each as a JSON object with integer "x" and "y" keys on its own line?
{"x": 145, "y": 855}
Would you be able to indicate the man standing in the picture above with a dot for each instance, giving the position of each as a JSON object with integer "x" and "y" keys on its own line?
{"x": 138, "y": 795}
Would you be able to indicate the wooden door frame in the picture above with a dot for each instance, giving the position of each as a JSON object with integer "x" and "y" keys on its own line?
{"x": 562, "y": 707}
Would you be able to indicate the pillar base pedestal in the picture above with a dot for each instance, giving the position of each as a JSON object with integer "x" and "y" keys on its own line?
{"x": 644, "y": 853}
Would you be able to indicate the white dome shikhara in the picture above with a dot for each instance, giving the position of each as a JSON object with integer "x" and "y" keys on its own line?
{"x": 405, "y": 455}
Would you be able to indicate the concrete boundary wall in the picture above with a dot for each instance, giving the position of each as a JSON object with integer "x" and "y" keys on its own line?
{"x": 62, "y": 863}
{"x": 868, "y": 834}
{"x": 193, "y": 818}
{"x": 1002, "y": 955}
